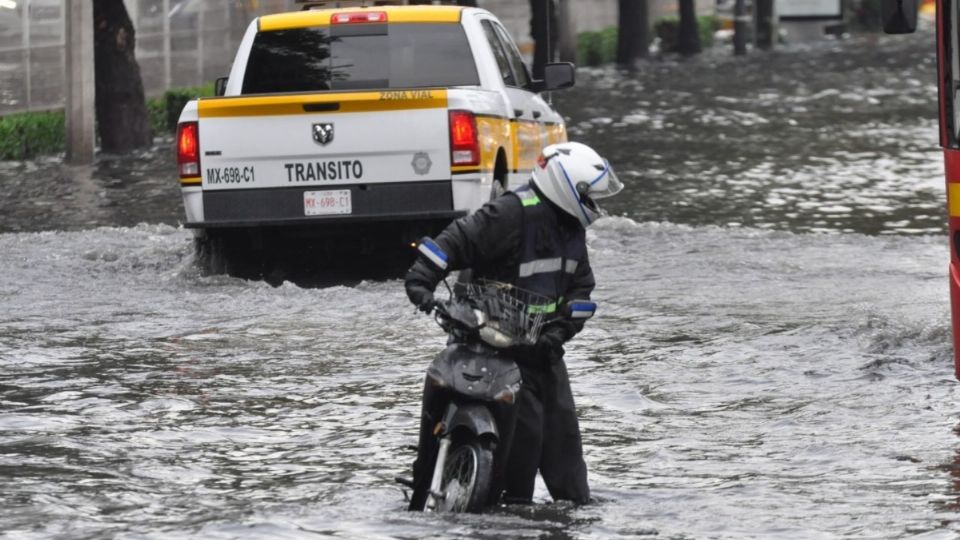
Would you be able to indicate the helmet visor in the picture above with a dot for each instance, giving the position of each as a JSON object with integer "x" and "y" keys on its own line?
{"x": 606, "y": 184}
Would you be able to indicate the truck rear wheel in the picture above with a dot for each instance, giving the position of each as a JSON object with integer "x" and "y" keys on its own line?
{"x": 220, "y": 252}
{"x": 209, "y": 253}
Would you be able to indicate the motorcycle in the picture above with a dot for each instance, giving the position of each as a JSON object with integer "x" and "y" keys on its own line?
{"x": 475, "y": 382}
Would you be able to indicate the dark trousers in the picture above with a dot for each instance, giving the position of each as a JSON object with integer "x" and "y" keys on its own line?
{"x": 546, "y": 438}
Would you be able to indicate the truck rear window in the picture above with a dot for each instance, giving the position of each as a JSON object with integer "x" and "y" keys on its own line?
{"x": 354, "y": 58}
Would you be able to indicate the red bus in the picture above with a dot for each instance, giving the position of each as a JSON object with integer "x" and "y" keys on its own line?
{"x": 900, "y": 17}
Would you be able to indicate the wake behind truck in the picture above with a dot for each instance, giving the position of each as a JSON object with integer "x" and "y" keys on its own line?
{"x": 358, "y": 127}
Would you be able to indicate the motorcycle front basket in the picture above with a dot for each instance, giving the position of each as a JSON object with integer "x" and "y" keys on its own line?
{"x": 516, "y": 313}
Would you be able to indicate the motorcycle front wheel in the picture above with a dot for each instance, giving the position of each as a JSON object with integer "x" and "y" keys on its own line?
{"x": 467, "y": 475}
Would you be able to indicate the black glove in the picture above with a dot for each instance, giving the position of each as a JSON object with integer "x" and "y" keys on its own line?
{"x": 421, "y": 297}
{"x": 549, "y": 347}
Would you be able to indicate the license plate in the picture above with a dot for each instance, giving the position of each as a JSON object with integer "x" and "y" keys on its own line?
{"x": 325, "y": 203}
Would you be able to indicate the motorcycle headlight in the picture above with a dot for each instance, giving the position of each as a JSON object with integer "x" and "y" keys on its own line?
{"x": 495, "y": 338}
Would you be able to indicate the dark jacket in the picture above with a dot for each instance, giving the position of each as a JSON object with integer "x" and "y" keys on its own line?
{"x": 491, "y": 243}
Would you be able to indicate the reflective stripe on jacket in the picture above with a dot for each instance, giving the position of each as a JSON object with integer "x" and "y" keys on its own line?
{"x": 551, "y": 252}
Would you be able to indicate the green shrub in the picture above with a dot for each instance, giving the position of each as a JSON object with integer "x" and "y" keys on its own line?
{"x": 157, "y": 111}
{"x": 30, "y": 134}
{"x": 667, "y": 29}
{"x": 608, "y": 44}
{"x": 176, "y": 98}
{"x": 588, "y": 49}
{"x": 707, "y": 26}
{"x": 597, "y": 48}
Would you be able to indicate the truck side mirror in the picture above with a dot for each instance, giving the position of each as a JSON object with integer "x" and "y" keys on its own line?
{"x": 899, "y": 16}
{"x": 220, "y": 86}
{"x": 556, "y": 76}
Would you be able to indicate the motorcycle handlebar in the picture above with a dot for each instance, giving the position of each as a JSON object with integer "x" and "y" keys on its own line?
{"x": 452, "y": 315}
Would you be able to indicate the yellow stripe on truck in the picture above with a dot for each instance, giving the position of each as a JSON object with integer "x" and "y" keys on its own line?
{"x": 352, "y": 102}
{"x": 493, "y": 133}
{"x": 527, "y": 147}
{"x": 395, "y": 14}
{"x": 556, "y": 133}
{"x": 522, "y": 141}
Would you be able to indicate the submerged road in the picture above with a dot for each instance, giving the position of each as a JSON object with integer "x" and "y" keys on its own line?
{"x": 771, "y": 357}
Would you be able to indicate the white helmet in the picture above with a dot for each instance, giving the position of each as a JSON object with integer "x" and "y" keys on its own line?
{"x": 571, "y": 175}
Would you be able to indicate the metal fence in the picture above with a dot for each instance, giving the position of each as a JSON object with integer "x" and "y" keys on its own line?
{"x": 179, "y": 43}
{"x": 184, "y": 43}
{"x": 189, "y": 42}
{"x": 31, "y": 55}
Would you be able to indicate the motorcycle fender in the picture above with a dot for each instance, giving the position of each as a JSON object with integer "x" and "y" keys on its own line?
{"x": 471, "y": 416}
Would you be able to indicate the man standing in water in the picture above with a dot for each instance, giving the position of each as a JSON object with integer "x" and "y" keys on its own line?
{"x": 533, "y": 238}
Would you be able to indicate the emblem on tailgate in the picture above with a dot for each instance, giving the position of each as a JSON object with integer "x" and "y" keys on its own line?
{"x": 421, "y": 163}
{"x": 323, "y": 133}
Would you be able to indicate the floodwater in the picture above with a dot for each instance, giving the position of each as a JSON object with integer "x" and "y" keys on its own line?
{"x": 771, "y": 358}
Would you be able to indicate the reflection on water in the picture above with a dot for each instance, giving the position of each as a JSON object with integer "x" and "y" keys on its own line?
{"x": 743, "y": 378}
{"x": 118, "y": 190}
{"x": 838, "y": 137}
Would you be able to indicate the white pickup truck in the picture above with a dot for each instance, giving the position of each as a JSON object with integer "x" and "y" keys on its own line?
{"x": 353, "y": 124}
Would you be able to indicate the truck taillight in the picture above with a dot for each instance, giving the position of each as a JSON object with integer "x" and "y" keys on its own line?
{"x": 464, "y": 145}
{"x": 188, "y": 149}
{"x": 360, "y": 17}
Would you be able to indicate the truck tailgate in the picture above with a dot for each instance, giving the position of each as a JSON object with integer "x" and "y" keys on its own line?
{"x": 327, "y": 139}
